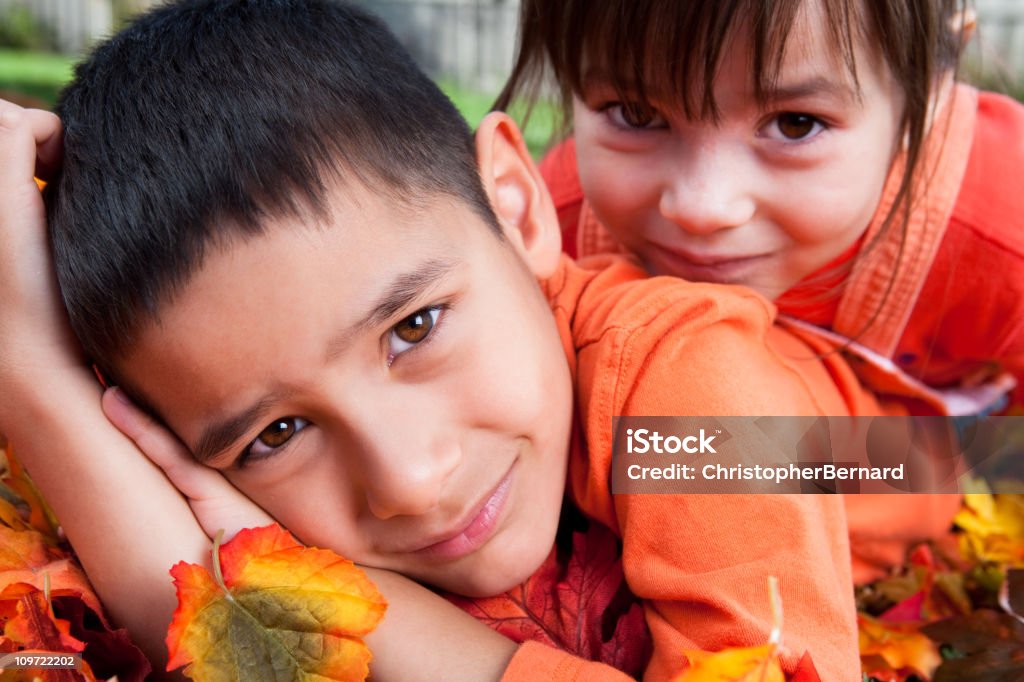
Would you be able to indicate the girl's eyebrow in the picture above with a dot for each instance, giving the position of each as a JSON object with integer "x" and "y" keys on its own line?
{"x": 599, "y": 77}
{"x": 812, "y": 86}
{"x": 403, "y": 288}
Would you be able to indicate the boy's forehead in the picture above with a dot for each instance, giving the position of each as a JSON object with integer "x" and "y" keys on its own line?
{"x": 350, "y": 271}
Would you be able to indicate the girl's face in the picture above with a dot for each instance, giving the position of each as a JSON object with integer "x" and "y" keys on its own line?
{"x": 769, "y": 193}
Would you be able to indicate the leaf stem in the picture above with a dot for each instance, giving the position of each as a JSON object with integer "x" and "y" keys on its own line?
{"x": 776, "y": 601}
{"x": 217, "y": 575}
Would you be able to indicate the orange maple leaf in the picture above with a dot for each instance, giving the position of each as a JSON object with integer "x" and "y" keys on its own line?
{"x": 901, "y": 646}
{"x": 274, "y": 607}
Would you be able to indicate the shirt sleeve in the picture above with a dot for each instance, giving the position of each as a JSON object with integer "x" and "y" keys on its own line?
{"x": 699, "y": 562}
{"x": 535, "y": 662}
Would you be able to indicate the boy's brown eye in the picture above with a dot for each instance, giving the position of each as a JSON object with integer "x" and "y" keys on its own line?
{"x": 416, "y": 327}
{"x": 412, "y": 331}
{"x": 796, "y": 126}
{"x": 272, "y": 440}
{"x": 278, "y": 433}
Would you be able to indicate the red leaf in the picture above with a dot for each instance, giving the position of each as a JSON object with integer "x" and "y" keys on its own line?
{"x": 108, "y": 652}
{"x": 577, "y": 601}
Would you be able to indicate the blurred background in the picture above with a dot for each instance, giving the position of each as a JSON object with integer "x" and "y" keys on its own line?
{"x": 466, "y": 45}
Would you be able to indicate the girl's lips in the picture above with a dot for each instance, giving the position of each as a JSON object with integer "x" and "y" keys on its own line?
{"x": 475, "y": 531}
{"x": 706, "y": 267}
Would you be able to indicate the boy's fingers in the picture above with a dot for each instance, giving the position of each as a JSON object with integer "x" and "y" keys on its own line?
{"x": 162, "y": 448}
{"x": 217, "y": 504}
{"x": 31, "y": 142}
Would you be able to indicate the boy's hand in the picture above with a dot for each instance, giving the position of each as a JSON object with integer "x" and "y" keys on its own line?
{"x": 217, "y": 504}
{"x": 35, "y": 339}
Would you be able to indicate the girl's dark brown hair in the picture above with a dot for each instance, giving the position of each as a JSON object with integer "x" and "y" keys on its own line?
{"x": 681, "y": 43}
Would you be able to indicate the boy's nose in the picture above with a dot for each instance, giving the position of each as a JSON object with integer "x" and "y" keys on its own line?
{"x": 404, "y": 464}
{"x": 707, "y": 189}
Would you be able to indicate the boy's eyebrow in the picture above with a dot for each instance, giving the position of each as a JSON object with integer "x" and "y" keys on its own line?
{"x": 219, "y": 435}
{"x": 405, "y": 287}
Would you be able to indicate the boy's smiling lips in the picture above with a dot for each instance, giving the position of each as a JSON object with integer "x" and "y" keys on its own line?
{"x": 473, "y": 529}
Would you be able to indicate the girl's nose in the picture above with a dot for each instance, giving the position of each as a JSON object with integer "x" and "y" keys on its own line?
{"x": 708, "y": 188}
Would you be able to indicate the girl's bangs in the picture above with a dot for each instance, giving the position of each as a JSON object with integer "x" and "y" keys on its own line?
{"x": 671, "y": 51}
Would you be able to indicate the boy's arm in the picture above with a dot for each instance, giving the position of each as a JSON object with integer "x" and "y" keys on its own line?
{"x": 701, "y": 562}
{"x": 127, "y": 524}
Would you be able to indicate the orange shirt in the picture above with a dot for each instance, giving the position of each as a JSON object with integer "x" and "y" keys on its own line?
{"x": 700, "y": 563}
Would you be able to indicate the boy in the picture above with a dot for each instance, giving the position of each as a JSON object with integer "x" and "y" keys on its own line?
{"x": 272, "y": 231}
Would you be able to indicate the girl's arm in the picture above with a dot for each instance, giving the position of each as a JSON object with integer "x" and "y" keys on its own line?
{"x": 701, "y": 562}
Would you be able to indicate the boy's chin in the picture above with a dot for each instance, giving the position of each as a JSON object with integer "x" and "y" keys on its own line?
{"x": 501, "y": 576}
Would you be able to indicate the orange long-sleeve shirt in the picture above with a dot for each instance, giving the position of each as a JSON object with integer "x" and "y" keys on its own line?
{"x": 699, "y": 563}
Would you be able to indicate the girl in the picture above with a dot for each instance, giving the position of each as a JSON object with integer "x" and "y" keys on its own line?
{"x": 821, "y": 154}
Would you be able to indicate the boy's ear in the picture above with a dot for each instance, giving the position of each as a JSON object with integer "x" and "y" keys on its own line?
{"x": 518, "y": 194}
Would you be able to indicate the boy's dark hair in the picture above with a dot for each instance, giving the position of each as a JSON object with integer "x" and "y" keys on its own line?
{"x": 204, "y": 118}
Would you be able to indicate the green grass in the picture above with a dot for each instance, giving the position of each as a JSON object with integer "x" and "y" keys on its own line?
{"x": 35, "y": 74}
{"x": 475, "y": 105}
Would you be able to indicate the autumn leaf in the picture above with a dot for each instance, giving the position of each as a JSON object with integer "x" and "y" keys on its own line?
{"x": 26, "y": 557}
{"x": 901, "y": 646}
{"x": 275, "y": 610}
{"x": 577, "y": 601}
{"x": 45, "y": 598}
{"x": 988, "y": 647}
{"x": 751, "y": 664}
{"x": 747, "y": 664}
{"x": 993, "y": 528}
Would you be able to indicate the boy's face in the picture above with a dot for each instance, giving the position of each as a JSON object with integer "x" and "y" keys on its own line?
{"x": 390, "y": 385}
{"x": 765, "y": 197}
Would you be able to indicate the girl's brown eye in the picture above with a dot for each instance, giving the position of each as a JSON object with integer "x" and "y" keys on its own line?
{"x": 633, "y": 115}
{"x": 796, "y": 126}
{"x": 637, "y": 115}
{"x": 278, "y": 433}
{"x": 416, "y": 327}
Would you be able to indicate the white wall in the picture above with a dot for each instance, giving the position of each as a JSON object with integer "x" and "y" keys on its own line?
{"x": 1000, "y": 40}
{"x": 77, "y": 22}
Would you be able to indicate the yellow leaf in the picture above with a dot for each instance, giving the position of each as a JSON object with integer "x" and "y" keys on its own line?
{"x": 752, "y": 664}
{"x": 993, "y": 528}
